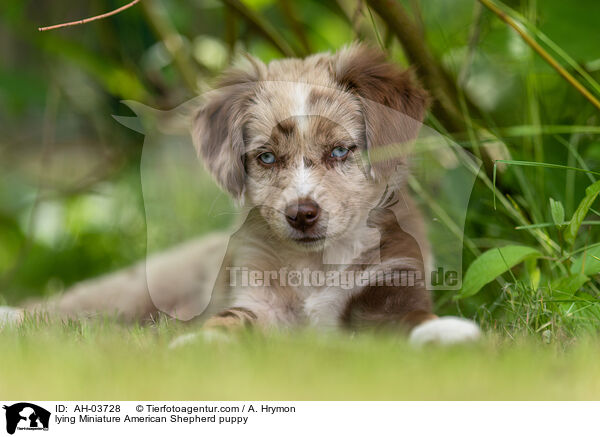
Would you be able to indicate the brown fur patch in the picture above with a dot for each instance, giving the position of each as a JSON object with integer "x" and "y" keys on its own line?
{"x": 286, "y": 127}
{"x": 231, "y": 318}
{"x": 392, "y": 306}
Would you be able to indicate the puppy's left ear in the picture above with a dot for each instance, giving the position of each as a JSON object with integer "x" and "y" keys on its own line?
{"x": 218, "y": 128}
{"x": 393, "y": 104}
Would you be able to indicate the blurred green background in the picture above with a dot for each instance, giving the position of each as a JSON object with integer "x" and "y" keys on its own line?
{"x": 71, "y": 204}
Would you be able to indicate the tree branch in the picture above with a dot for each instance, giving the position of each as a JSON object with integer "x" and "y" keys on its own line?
{"x": 87, "y": 20}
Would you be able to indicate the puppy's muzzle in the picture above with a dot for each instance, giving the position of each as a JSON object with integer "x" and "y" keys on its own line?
{"x": 303, "y": 215}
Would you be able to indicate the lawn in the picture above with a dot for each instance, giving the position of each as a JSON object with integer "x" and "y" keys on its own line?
{"x": 99, "y": 361}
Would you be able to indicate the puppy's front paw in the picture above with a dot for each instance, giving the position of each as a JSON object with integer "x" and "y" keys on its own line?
{"x": 445, "y": 330}
{"x": 10, "y": 316}
{"x": 220, "y": 328}
{"x": 184, "y": 340}
{"x": 208, "y": 335}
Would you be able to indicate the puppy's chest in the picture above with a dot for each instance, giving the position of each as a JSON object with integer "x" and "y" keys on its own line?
{"x": 320, "y": 297}
{"x": 305, "y": 289}
{"x": 304, "y": 279}
{"x": 303, "y": 293}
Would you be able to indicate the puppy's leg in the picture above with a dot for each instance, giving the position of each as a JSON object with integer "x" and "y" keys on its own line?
{"x": 232, "y": 319}
{"x": 407, "y": 307}
{"x": 261, "y": 308}
{"x": 219, "y": 327}
{"x": 408, "y": 310}
{"x": 177, "y": 281}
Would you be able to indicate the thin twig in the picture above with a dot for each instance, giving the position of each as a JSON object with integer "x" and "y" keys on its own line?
{"x": 540, "y": 51}
{"x": 87, "y": 20}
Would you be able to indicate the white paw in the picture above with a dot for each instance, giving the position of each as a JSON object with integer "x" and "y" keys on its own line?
{"x": 208, "y": 335}
{"x": 445, "y": 330}
{"x": 184, "y": 340}
{"x": 10, "y": 316}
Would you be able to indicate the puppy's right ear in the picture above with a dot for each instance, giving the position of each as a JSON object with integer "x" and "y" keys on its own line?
{"x": 218, "y": 128}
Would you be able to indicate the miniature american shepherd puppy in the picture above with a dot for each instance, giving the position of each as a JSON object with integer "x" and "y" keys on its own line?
{"x": 316, "y": 151}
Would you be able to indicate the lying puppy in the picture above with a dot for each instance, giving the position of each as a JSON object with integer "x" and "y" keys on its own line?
{"x": 316, "y": 150}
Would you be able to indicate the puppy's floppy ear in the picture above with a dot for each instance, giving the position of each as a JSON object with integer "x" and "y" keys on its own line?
{"x": 393, "y": 103}
{"x": 218, "y": 128}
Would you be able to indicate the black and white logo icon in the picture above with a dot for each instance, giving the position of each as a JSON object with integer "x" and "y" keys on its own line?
{"x": 26, "y": 416}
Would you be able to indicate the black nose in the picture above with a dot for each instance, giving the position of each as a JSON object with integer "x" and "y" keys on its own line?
{"x": 303, "y": 215}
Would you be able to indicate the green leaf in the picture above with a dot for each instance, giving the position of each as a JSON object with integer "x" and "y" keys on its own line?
{"x": 591, "y": 193}
{"x": 587, "y": 263}
{"x": 492, "y": 264}
{"x": 570, "y": 284}
{"x": 558, "y": 212}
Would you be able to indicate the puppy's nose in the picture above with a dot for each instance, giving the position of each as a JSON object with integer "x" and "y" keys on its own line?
{"x": 302, "y": 215}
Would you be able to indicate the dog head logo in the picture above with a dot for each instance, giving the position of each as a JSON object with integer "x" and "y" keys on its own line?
{"x": 26, "y": 416}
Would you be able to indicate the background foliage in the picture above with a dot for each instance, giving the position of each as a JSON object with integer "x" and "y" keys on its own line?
{"x": 70, "y": 196}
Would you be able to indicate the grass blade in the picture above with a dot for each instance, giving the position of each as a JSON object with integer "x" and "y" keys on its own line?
{"x": 591, "y": 193}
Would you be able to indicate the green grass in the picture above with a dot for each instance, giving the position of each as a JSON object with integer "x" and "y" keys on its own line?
{"x": 108, "y": 361}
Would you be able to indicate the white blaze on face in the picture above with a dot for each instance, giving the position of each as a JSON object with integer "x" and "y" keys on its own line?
{"x": 300, "y": 111}
{"x": 303, "y": 180}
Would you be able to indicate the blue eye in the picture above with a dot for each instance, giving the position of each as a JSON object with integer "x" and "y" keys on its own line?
{"x": 267, "y": 158}
{"x": 339, "y": 152}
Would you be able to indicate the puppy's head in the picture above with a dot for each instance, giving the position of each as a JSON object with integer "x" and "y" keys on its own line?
{"x": 312, "y": 143}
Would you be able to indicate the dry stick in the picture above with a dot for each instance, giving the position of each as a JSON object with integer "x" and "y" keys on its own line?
{"x": 540, "y": 51}
{"x": 87, "y": 20}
